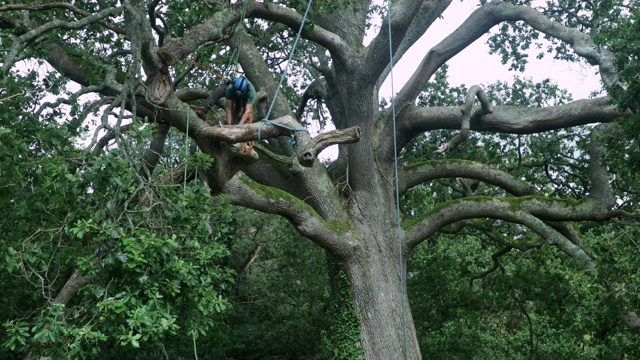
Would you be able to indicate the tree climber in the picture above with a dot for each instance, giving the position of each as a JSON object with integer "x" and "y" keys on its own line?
{"x": 240, "y": 96}
{"x": 209, "y": 102}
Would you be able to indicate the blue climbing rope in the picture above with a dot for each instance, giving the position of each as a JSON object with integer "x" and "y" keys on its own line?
{"x": 395, "y": 158}
{"x": 286, "y": 70}
{"x": 186, "y": 155}
{"x": 233, "y": 60}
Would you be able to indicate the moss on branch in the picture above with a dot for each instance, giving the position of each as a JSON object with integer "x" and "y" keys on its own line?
{"x": 275, "y": 196}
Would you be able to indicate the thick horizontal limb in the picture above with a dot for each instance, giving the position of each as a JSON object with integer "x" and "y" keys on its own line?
{"x": 323, "y": 141}
{"x": 413, "y": 175}
{"x": 283, "y": 126}
{"x": 24, "y": 40}
{"x": 60, "y": 5}
{"x": 510, "y": 119}
{"x": 332, "y": 236}
{"x": 529, "y": 212}
{"x": 216, "y": 27}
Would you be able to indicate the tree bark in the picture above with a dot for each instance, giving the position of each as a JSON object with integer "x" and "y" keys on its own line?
{"x": 356, "y": 223}
{"x": 387, "y": 329}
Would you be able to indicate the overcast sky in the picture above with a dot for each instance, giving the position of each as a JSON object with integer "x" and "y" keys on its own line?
{"x": 474, "y": 65}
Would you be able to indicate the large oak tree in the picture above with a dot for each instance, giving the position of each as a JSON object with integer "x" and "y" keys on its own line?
{"x": 133, "y": 55}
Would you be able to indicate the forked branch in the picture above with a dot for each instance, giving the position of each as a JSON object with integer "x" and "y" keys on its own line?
{"x": 26, "y": 39}
{"x": 323, "y": 141}
{"x": 463, "y": 135}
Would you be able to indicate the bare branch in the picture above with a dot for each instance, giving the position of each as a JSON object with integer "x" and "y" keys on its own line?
{"x": 496, "y": 264}
{"x": 541, "y": 214}
{"x": 509, "y": 119}
{"x": 22, "y": 93}
{"x": 350, "y": 22}
{"x": 402, "y": 14}
{"x": 151, "y": 10}
{"x": 71, "y": 100}
{"x": 60, "y": 5}
{"x": 71, "y": 287}
{"x": 181, "y": 115}
{"x": 466, "y": 117}
{"x": 152, "y": 154}
{"x": 335, "y": 44}
{"x": 411, "y": 176}
{"x": 601, "y": 191}
{"x": 479, "y": 23}
{"x": 534, "y": 211}
{"x": 316, "y": 145}
{"x": 426, "y": 16}
{"x": 216, "y": 27}
{"x": 100, "y": 144}
{"x": 24, "y": 40}
{"x": 527, "y": 211}
{"x": 277, "y": 157}
{"x": 574, "y": 15}
{"x": 253, "y": 255}
{"x": 310, "y": 93}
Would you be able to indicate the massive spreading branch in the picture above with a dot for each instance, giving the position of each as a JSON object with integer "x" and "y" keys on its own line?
{"x": 348, "y": 205}
{"x": 485, "y": 18}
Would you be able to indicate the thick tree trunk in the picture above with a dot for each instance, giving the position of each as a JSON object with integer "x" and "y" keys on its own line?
{"x": 375, "y": 283}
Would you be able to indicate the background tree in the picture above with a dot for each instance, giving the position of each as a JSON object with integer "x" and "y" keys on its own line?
{"x": 95, "y": 257}
{"x": 131, "y": 55}
{"x": 468, "y": 288}
{"x": 281, "y": 294}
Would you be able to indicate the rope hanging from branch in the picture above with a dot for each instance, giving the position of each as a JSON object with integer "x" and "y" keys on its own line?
{"x": 284, "y": 74}
{"x": 395, "y": 158}
{"x": 195, "y": 63}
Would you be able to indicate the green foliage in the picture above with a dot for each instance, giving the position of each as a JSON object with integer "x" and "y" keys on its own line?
{"x": 149, "y": 260}
{"x": 513, "y": 40}
{"x": 343, "y": 337}
{"x": 166, "y": 271}
{"x": 281, "y": 295}
{"x": 521, "y": 305}
{"x": 621, "y": 39}
{"x": 524, "y": 92}
{"x": 439, "y": 92}
{"x": 512, "y": 43}
{"x": 535, "y": 304}
{"x": 536, "y": 158}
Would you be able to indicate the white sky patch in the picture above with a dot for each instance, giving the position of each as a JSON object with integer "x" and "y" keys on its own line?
{"x": 474, "y": 65}
{"x": 471, "y": 66}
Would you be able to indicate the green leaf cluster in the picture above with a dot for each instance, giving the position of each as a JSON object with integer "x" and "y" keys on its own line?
{"x": 535, "y": 304}
{"x": 343, "y": 337}
{"x": 281, "y": 295}
{"x": 473, "y": 294}
{"x": 149, "y": 259}
{"x": 621, "y": 39}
